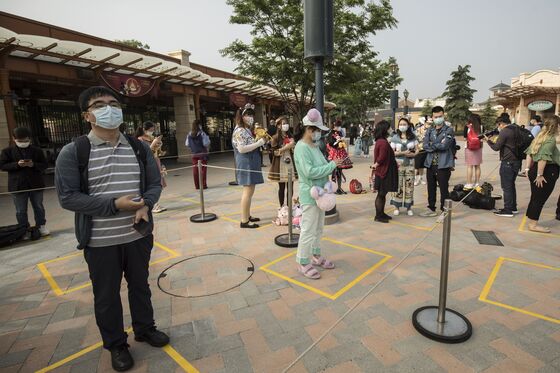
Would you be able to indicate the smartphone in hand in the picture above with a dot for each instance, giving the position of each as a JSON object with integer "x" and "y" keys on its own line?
{"x": 142, "y": 227}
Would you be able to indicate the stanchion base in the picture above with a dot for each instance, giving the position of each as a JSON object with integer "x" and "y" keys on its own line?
{"x": 456, "y": 328}
{"x": 199, "y": 218}
{"x": 284, "y": 240}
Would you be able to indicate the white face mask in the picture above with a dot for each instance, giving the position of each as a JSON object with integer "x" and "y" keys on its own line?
{"x": 439, "y": 121}
{"x": 403, "y": 129}
{"x": 108, "y": 117}
{"x": 285, "y": 127}
{"x": 22, "y": 144}
{"x": 316, "y": 136}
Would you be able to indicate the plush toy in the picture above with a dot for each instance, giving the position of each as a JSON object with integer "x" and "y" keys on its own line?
{"x": 297, "y": 213}
{"x": 325, "y": 197}
{"x": 282, "y": 218}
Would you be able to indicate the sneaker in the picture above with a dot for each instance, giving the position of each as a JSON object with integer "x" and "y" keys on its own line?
{"x": 440, "y": 219}
{"x": 503, "y": 213}
{"x": 423, "y": 180}
{"x": 381, "y": 219}
{"x": 410, "y": 213}
{"x": 158, "y": 208}
{"x": 558, "y": 217}
{"x": 515, "y": 212}
{"x": 468, "y": 186}
{"x": 396, "y": 212}
{"x": 416, "y": 182}
{"x": 44, "y": 231}
{"x": 429, "y": 214}
{"x": 26, "y": 236}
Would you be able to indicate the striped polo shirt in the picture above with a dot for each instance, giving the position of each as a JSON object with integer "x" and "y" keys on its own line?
{"x": 113, "y": 172}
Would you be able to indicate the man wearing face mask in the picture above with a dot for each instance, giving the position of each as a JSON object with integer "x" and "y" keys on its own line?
{"x": 25, "y": 164}
{"x": 112, "y": 182}
{"x": 439, "y": 143}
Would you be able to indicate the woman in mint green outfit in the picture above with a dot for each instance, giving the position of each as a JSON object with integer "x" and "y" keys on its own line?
{"x": 313, "y": 170}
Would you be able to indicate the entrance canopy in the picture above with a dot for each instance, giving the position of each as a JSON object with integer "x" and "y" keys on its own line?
{"x": 527, "y": 90}
{"x": 106, "y": 59}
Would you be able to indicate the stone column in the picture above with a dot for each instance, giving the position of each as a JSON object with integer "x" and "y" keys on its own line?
{"x": 184, "y": 116}
{"x": 557, "y": 109}
{"x": 7, "y": 119}
{"x": 522, "y": 116}
{"x": 260, "y": 114}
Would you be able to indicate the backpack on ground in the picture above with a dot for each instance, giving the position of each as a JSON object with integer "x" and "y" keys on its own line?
{"x": 523, "y": 139}
{"x": 12, "y": 233}
{"x": 356, "y": 187}
{"x": 83, "y": 147}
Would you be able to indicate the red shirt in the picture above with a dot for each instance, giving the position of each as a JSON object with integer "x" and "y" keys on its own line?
{"x": 382, "y": 155}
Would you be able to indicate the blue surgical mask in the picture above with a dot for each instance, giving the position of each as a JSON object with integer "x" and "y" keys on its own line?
{"x": 108, "y": 117}
{"x": 439, "y": 121}
{"x": 316, "y": 136}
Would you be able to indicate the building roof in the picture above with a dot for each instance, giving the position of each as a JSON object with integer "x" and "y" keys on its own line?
{"x": 500, "y": 87}
{"x": 102, "y": 55}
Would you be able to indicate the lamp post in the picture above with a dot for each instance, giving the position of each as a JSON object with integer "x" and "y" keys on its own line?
{"x": 394, "y": 94}
{"x": 405, "y": 94}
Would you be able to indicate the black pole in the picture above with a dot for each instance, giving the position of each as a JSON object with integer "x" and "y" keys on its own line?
{"x": 319, "y": 90}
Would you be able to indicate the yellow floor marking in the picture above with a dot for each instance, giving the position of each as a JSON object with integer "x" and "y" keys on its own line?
{"x": 487, "y": 287}
{"x": 524, "y": 223}
{"x": 59, "y": 292}
{"x": 168, "y": 349}
{"x": 412, "y": 226}
{"x": 266, "y": 268}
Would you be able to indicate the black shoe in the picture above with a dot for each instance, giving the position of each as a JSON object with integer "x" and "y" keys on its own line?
{"x": 154, "y": 337}
{"x": 233, "y": 183}
{"x": 557, "y": 217}
{"x": 248, "y": 225}
{"x": 121, "y": 359}
{"x": 339, "y": 192}
{"x": 381, "y": 219}
{"x": 252, "y": 219}
{"x": 503, "y": 213}
{"x": 385, "y": 216}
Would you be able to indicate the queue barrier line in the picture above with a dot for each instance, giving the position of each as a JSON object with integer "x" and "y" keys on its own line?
{"x": 523, "y": 224}
{"x": 58, "y": 290}
{"x": 345, "y": 288}
{"x": 492, "y": 278}
{"x": 168, "y": 349}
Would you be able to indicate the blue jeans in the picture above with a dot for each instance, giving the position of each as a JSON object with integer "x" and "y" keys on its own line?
{"x": 508, "y": 174}
{"x": 36, "y": 198}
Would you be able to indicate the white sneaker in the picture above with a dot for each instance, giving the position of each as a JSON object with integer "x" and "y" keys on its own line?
{"x": 396, "y": 212}
{"x": 423, "y": 180}
{"x": 417, "y": 180}
{"x": 44, "y": 231}
{"x": 157, "y": 209}
{"x": 410, "y": 213}
{"x": 468, "y": 186}
{"x": 440, "y": 218}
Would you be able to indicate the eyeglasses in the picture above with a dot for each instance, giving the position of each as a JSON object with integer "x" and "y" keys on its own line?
{"x": 103, "y": 105}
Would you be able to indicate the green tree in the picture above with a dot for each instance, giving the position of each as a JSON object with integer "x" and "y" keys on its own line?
{"x": 427, "y": 108}
{"x": 274, "y": 57}
{"x": 133, "y": 43}
{"x": 488, "y": 116}
{"x": 459, "y": 96}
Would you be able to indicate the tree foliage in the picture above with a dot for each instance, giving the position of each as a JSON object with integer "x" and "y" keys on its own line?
{"x": 274, "y": 57}
{"x": 133, "y": 43}
{"x": 488, "y": 116}
{"x": 427, "y": 108}
{"x": 459, "y": 96}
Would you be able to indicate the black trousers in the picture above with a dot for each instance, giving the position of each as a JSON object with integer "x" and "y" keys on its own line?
{"x": 558, "y": 208}
{"x": 540, "y": 195}
{"x": 434, "y": 178}
{"x": 106, "y": 267}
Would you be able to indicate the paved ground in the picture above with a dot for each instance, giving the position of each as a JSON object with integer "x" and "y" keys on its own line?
{"x": 510, "y": 293}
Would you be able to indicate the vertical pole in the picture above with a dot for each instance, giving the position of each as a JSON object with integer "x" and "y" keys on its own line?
{"x": 319, "y": 93}
{"x": 290, "y": 212}
{"x": 444, "y": 261}
{"x": 201, "y": 186}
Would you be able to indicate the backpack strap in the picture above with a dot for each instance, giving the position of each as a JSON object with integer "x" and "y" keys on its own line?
{"x": 83, "y": 147}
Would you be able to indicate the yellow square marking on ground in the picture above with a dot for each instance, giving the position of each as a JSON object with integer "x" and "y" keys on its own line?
{"x": 59, "y": 292}
{"x": 486, "y": 290}
{"x": 229, "y": 218}
{"x": 524, "y": 230}
{"x": 169, "y": 350}
{"x": 331, "y": 296}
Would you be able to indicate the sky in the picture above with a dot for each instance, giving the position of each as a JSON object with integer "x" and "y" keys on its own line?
{"x": 499, "y": 38}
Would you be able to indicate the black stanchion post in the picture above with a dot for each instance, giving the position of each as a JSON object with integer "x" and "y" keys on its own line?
{"x": 440, "y": 323}
{"x": 290, "y": 239}
{"x": 203, "y": 217}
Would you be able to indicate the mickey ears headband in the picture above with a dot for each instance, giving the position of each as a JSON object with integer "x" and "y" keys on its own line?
{"x": 248, "y": 109}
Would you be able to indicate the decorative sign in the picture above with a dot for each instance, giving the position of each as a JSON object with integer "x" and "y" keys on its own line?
{"x": 237, "y": 99}
{"x": 540, "y": 105}
{"x": 127, "y": 85}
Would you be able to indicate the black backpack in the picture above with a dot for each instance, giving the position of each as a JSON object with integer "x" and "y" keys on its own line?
{"x": 11, "y": 233}
{"x": 523, "y": 139}
{"x": 83, "y": 147}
